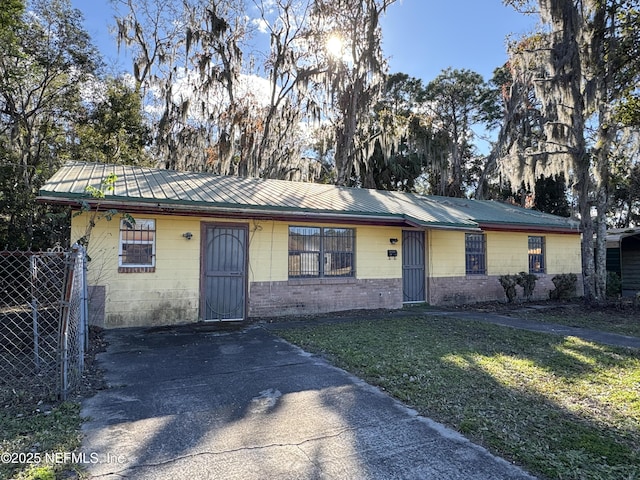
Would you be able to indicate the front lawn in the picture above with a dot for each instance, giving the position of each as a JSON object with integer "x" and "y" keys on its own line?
{"x": 560, "y": 407}
{"x": 31, "y": 434}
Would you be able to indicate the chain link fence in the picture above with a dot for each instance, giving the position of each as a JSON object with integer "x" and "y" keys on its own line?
{"x": 43, "y": 320}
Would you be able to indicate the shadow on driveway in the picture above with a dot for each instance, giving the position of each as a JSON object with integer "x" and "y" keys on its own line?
{"x": 248, "y": 405}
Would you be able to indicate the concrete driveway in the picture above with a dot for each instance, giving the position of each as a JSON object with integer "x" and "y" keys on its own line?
{"x": 185, "y": 404}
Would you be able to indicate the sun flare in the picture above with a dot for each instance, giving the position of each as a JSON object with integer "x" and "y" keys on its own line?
{"x": 335, "y": 46}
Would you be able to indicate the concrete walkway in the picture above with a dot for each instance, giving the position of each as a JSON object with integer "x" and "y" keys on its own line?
{"x": 597, "y": 336}
{"x": 185, "y": 404}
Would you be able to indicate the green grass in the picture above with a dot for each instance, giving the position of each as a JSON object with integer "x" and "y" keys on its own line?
{"x": 560, "y": 407}
{"x": 29, "y": 432}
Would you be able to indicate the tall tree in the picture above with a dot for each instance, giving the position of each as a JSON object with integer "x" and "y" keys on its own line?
{"x": 221, "y": 104}
{"x": 40, "y": 97}
{"x": 409, "y": 147}
{"x": 551, "y": 196}
{"x": 114, "y": 128}
{"x": 10, "y": 18}
{"x": 515, "y": 110}
{"x": 186, "y": 63}
{"x": 625, "y": 180}
{"x": 354, "y": 76}
{"x": 456, "y": 98}
{"x": 224, "y": 105}
{"x": 581, "y": 66}
{"x": 290, "y": 72}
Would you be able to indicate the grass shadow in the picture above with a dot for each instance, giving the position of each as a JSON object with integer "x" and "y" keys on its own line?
{"x": 561, "y": 407}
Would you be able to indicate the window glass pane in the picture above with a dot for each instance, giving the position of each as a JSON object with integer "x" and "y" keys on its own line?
{"x": 304, "y": 264}
{"x": 133, "y": 254}
{"x": 475, "y": 256}
{"x": 304, "y": 239}
{"x": 338, "y": 239}
{"x": 137, "y": 243}
{"x": 316, "y": 252}
{"x": 338, "y": 252}
{"x": 138, "y": 236}
{"x": 304, "y": 251}
{"x": 338, "y": 264}
{"x": 536, "y": 255}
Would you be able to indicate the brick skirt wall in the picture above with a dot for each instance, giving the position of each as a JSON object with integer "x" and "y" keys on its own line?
{"x": 311, "y": 296}
{"x": 322, "y": 295}
{"x": 484, "y": 288}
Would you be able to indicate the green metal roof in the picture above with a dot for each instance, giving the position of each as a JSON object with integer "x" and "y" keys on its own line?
{"x": 204, "y": 192}
{"x": 497, "y": 213}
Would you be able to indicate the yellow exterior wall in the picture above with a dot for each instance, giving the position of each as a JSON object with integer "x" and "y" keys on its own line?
{"x": 372, "y": 244}
{"x": 563, "y": 254}
{"x": 269, "y": 242}
{"x": 168, "y": 295}
{"x": 171, "y": 294}
{"x": 445, "y": 253}
{"x": 507, "y": 253}
{"x": 268, "y": 251}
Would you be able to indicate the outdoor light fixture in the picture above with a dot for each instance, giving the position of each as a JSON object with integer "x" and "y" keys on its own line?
{"x": 393, "y": 241}
{"x": 187, "y": 235}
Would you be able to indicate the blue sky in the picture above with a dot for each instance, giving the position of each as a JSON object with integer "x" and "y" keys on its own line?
{"x": 421, "y": 37}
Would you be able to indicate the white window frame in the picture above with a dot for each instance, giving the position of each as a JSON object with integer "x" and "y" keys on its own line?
{"x": 141, "y": 225}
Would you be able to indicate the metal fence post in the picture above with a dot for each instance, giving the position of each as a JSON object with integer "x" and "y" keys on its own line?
{"x": 34, "y": 312}
{"x": 83, "y": 334}
{"x": 65, "y": 312}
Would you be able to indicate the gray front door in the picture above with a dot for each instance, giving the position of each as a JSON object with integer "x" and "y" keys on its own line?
{"x": 224, "y": 279}
{"x": 413, "y": 267}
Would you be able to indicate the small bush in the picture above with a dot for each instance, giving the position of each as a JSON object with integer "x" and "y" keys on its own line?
{"x": 40, "y": 473}
{"x": 525, "y": 280}
{"x": 565, "y": 284}
{"x": 528, "y": 283}
{"x": 614, "y": 285}
{"x": 509, "y": 283}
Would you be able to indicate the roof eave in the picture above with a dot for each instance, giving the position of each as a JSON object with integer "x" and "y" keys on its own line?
{"x": 225, "y": 211}
{"x": 530, "y": 228}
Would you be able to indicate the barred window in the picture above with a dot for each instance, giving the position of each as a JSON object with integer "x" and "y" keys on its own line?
{"x": 321, "y": 252}
{"x": 475, "y": 254}
{"x": 137, "y": 244}
{"x": 536, "y": 255}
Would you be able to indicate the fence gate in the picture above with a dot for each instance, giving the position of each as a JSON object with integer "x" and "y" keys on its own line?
{"x": 42, "y": 320}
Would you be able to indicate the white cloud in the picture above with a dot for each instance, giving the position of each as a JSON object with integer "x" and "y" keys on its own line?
{"x": 93, "y": 91}
{"x": 261, "y": 24}
{"x": 251, "y": 90}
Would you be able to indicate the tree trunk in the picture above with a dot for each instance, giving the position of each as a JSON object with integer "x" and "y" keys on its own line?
{"x": 346, "y": 136}
{"x": 601, "y": 154}
{"x": 586, "y": 225}
{"x": 601, "y": 245}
